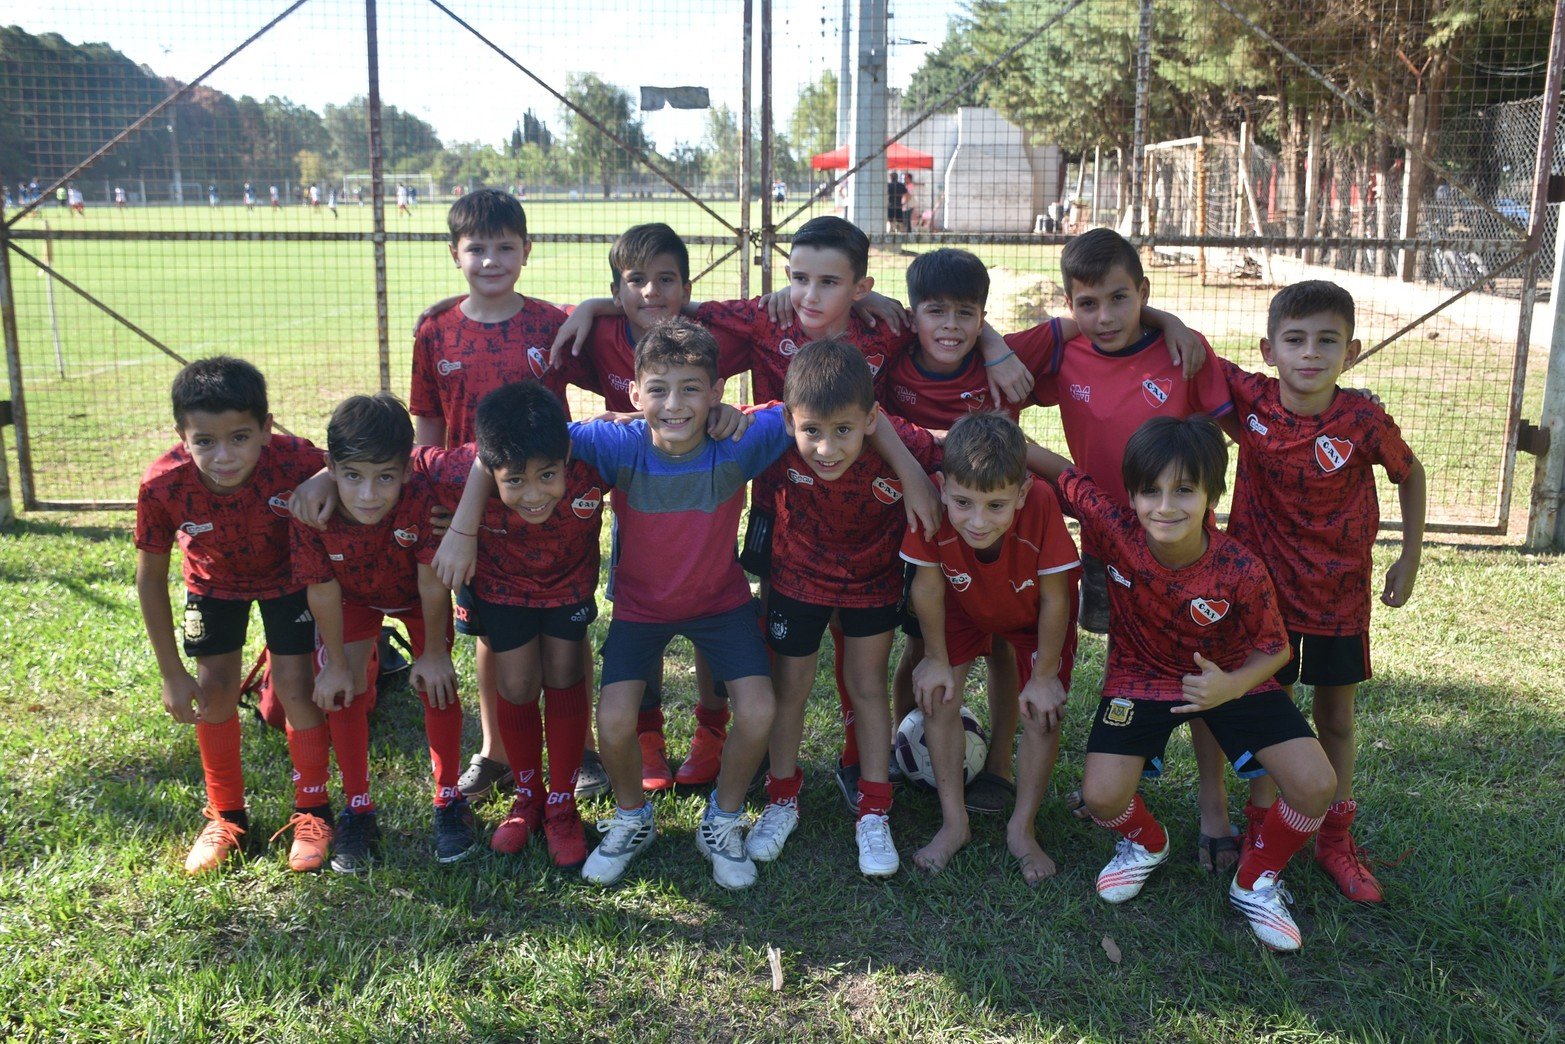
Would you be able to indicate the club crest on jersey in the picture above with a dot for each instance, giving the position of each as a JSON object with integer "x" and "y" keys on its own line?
{"x": 975, "y": 400}
{"x": 446, "y": 367}
{"x": 887, "y": 491}
{"x": 905, "y": 394}
{"x": 1254, "y": 424}
{"x": 959, "y": 581}
{"x": 795, "y": 475}
{"x": 278, "y": 502}
{"x": 875, "y": 361}
{"x": 537, "y": 362}
{"x": 1332, "y": 453}
{"x": 1157, "y": 391}
{"x": 1119, "y": 711}
{"x": 787, "y": 347}
{"x": 1081, "y": 392}
{"x": 1119, "y": 578}
{"x": 195, "y": 528}
{"x": 1207, "y": 611}
{"x": 406, "y": 537}
{"x": 584, "y": 506}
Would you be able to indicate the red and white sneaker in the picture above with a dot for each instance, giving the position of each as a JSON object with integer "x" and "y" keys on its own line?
{"x": 655, "y": 773}
{"x": 1344, "y": 861}
{"x": 1124, "y": 875}
{"x": 562, "y": 832}
{"x": 1266, "y": 908}
{"x": 705, "y": 758}
{"x": 518, "y": 826}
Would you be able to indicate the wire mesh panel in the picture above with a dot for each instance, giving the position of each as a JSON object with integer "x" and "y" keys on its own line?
{"x": 1386, "y": 146}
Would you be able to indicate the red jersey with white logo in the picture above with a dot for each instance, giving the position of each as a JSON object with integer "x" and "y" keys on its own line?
{"x": 1002, "y": 595}
{"x": 936, "y": 400}
{"x": 377, "y": 565}
{"x": 1104, "y": 398}
{"x": 541, "y": 566}
{"x": 457, "y": 361}
{"x": 836, "y": 542}
{"x": 1222, "y": 606}
{"x": 609, "y": 360}
{"x": 1304, "y": 498}
{"x": 235, "y": 544}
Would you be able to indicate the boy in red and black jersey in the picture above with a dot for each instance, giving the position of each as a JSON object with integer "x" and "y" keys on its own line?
{"x": 1001, "y": 565}
{"x": 222, "y": 495}
{"x": 1195, "y": 635}
{"x": 533, "y": 594}
{"x": 840, "y": 521}
{"x": 1305, "y": 501}
{"x": 370, "y": 561}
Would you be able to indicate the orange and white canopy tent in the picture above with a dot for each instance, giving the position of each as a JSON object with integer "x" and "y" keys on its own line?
{"x": 898, "y": 157}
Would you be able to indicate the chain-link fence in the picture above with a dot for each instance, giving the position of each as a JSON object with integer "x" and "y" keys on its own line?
{"x": 271, "y": 181}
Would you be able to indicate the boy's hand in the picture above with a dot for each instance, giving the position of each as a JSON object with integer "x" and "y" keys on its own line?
{"x": 922, "y": 505}
{"x": 573, "y": 333}
{"x": 333, "y": 687}
{"x": 439, "y": 519}
{"x": 434, "y": 676}
{"x": 444, "y": 304}
{"x": 1185, "y": 349}
{"x": 456, "y": 559}
{"x": 617, "y": 418}
{"x": 1399, "y": 581}
{"x": 183, "y": 698}
{"x": 1368, "y": 394}
{"x": 314, "y": 500}
{"x": 1213, "y": 687}
{"x": 1043, "y": 701}
{"x": 933, "y": 682}
{"x": 875, "y": 309}
{"x": 727, "y": 422}
{"x": 778, "y": 307}
{"x": 1009, "y": 380}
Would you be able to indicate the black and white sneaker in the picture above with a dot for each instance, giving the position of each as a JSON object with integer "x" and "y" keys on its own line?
{"x": 455, "y": 837}
{"x": 358, "y": 842}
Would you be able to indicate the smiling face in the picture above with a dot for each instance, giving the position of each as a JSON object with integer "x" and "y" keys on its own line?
{"x": 1310, "y": 353}
{"x": 676, "y": 403}
{"x": 830, "y": 442}
{"x": 822, "y": 289}
{"x": 491, "y": 262}
{"x": 533, "y": 491}
{"x": 368, "y": 490}
{"x": 226, "y": 446}
{"x": 1172, "y": 510}
{"x": 947, "y": 331}
{"x": 982, "y": 517}
{"x": 651, "y": 292}
{"x": 1109, "y": 312}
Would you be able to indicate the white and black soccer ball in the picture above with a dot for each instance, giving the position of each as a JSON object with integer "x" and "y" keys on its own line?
{"x": 912, "y": 756}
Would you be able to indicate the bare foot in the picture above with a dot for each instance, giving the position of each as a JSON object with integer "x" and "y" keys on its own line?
{"x": 947, "y": 842}
{"x": 1031, "y": 859}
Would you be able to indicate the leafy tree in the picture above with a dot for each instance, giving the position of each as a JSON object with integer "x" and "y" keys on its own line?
{"x": 311, "y": 166}
{"x": 942, "y": 72}
{"x": 593, "y": 151}
{"x": 813, "y": 126}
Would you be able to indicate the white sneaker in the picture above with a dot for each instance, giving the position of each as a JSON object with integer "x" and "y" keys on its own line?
{"x": 1266, "y": 908}
{"x": 624, "y": 836}
{"x": 766, "y": 839}
{"x": 1124, "y": 875}
{"x": 877, "y": 852}
{"x": 721, "y": 840}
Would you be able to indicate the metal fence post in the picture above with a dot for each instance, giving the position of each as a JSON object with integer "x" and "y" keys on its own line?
{"x": 1545, "y": 520}
{"x": 377, "y": 199}
{"x": 13, "y": 364}
{"x": 768, "y": 233}
{"x": 1138, "y": 154}
{"x": 744, "y": 151}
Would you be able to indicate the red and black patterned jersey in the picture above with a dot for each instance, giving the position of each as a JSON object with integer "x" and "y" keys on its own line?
{"x": 1304, "y": 498}
{"x": 377, "y": 565}
{"x": 609, "y": 360}
{"x": 235, "y": 544}
{"x": 540, "y": 566}
{"x": 457, "y": 361}
{"x": 936, "y": 400}
{"x": 1222, "y": 606}
{"x": 1001, "y": 596}
{"x": 836, "y": 542}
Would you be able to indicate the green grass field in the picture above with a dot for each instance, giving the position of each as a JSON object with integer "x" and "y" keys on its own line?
{"x": 103, "y": 938}
{"x": 305, "y": 313}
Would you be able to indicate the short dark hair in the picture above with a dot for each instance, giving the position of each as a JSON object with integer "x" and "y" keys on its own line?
{"x": 1090, "y": 256}
{"x": 371, "y": 428}
{"x": 834, "y": 233}
{"x": 1194, "y": 443}
{"x": 486, "y": 212}
{"x": 677, "y": 342}
{"x": 1309, "y": 297}
{"x": 827, "y": 376}
{"x": 986, "y": 452}
{"x": 521, "y": 422}
{"x": 947, "y": 272}
{"x": 639, "y": 244}
{"x": 216, "y": 385}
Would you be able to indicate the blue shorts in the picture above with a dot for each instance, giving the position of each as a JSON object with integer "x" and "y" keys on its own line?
{"x": 731, "y": 643}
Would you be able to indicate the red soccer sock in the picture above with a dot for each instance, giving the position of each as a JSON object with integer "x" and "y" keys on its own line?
{"x": 565, "y": 727}
{"x": 1283, "y": 832}
{"x": 225, "y": 778}
{"x": 850, "y": 734}
{"x": 717, "y": 719}
{"x": 521, "y": 733}
{"x": 1137, "y": 824}
{"x": 646, "y": 721}
{"x": 350, "y": 741}
{"x": 874, "y": 798}
{"x": 310, "y": 751}
{"x": 443, "y": 728}
{"x": 780, "y": 790}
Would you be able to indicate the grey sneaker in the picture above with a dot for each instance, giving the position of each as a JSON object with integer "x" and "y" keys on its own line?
{"x": 721, "y": 841}
{"x": 766, "y": 839}
{"x": 1266, "y": 908}
{"x": 624, "y": 836}
{"x": 592, "y": 781}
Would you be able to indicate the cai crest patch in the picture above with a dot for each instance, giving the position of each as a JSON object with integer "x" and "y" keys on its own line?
{"x": 1332, "y": 453}
{"x": 1156, "y": 391}
{"x": 887, "y": 491}
{"x": 1207, "y": 611}
{"x": 584, "y": 506}
{"x": 406, "y": 537}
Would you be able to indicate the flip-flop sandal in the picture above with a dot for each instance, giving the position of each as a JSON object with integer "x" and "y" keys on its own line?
{"x": 1211, "y": 850}
{"x": 988, "y": 794}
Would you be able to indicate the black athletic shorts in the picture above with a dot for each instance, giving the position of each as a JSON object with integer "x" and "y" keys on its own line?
{"x": 910, "y": 625}
{"x": 507, "y": 627}
{"x": 1324, "y": 660}
{"x": 214, "y": 626}
{"x": 1242, "y": 727}
{"x": 794, "y": 628}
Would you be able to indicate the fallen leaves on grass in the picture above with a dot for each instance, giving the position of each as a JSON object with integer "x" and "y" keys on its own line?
{"x": 1111, "y": 948}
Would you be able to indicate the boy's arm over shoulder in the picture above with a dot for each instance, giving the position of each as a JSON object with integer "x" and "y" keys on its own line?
{"x": 764, "y": 440}
{"x": 1209, "y": 388}
{"x": 1094, "y": 509}
{"x": 920, "y": 442}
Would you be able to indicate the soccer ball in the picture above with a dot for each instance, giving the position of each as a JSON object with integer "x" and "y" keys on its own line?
{"x": 912, "y": 756}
